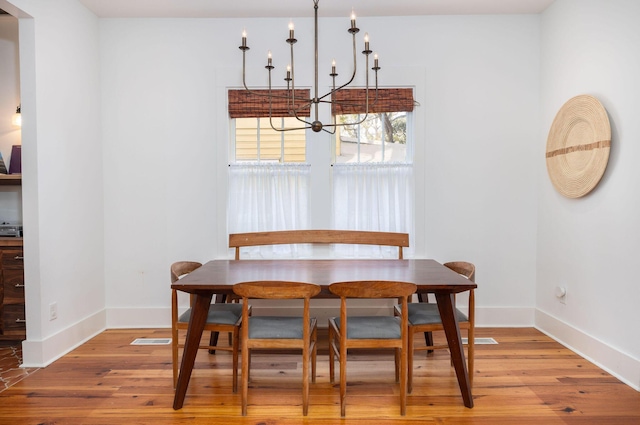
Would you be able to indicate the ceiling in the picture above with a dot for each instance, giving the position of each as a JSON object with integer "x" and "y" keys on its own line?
{"x": 304, "y": 8}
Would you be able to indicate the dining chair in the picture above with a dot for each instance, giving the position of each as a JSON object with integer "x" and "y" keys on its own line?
{"x": 221, "y": 318}
{"x": 424, "y": 317}
{"x": 278, "y": 332}
{"x": 374, "y": 332}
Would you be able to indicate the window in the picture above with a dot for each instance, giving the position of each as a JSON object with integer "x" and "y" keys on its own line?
{"x": 382, "y": 134}
{"x": 253, "y": 138}
{"x": 268, "y": 173}
{"x": 369, "y": 186}
{"x": 373, "y": 172}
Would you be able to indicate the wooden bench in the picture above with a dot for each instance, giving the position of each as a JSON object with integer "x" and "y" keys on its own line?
{"x": 287, "y": 237}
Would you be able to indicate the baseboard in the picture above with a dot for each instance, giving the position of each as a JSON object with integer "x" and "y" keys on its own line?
{"x": 44, "y": 352}
{"x": 504, "y": 317}
{"x": 615, "y": 362}
{"x": 126, "y": 318}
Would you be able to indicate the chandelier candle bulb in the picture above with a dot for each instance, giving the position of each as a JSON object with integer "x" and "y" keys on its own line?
{"x": 269, "y": 58}
{"x": 375, "y": 61}
{"x": 366, "y": 41}
{"x": 291, "y": 30}
{"x": 244, "y": 38}
{"x": 333, "y": 66}
{"x": 288, "y": 73}
{"x": 353, "y": 19}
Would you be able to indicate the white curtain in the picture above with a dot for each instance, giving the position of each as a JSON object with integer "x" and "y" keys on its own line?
{"x": 266, "y": 197}
{"x": 375, "y": 197}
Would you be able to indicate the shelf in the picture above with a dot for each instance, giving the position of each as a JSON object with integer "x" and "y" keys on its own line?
{"x": 10, "y": 242}
{"x": 10, "y": 179}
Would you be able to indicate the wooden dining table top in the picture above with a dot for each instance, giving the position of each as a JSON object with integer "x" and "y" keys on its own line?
{"x": 219, "y": 276}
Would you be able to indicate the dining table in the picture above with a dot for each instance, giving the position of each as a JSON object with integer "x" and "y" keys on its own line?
{"x": 217, "y": 277}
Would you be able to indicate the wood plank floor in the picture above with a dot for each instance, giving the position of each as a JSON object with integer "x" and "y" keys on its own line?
{"x": 10, "y": 360}
{"x": 526, "y": 379}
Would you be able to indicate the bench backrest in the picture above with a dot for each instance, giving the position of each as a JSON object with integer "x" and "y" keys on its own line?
{"x": 286, "y": 237}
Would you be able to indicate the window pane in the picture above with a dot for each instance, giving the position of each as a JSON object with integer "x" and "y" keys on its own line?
{"x": 256, "y": 141}
{"x": 270, "y": 140}
{"x": 246, "y": 139}
{"x": 379, "y": 138}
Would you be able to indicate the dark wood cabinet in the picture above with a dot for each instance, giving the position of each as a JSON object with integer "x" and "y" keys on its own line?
{"x": 12, "y": 312}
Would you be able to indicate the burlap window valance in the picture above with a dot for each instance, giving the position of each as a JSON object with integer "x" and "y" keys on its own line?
{"x": 352, "y": 101}
{"x": 255, "y": 104}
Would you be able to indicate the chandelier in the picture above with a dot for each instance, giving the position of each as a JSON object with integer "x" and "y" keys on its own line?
{"x": 294, "y": 105}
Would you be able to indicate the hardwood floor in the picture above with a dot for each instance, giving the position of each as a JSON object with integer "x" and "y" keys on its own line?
{"x": 10, "y": 360}
{"x": 525, "y": 379}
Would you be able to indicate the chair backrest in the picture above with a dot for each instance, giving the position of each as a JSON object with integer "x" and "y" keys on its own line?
{"x": 464, "y": 268}
{"x": 287, "y": 237}
{"x": 373, "y": 289}
{"x": 276, "y": 290}
{"x": 180, "y": 268}
{"x": 469, "y": 271}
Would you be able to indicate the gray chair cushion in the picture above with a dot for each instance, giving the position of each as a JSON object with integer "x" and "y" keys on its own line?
{"x": 275, "y": 327}
{"x": 371, "y": 327}
{"x": 428, "y": 314}
{"x": 221, "y": 314}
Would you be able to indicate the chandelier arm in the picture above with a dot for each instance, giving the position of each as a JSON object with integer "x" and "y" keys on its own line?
{"x": 293, "y": 78}
{"x": 353, "y": 75}
{"x": 259, "y": 93}
{"x": 347, "y": 123}
{"x": 308, "y": 125}
{"x": 271, "y": 102}
{"x": 244, "y": 81}
{"x": 294, "y": 112}
{"x": 315, "y": 97}
{"x": 366, "y": 83}
{"x": 282, "y": 129}
{"x": 273, "y": 127}
{"x": 329, "y": 131}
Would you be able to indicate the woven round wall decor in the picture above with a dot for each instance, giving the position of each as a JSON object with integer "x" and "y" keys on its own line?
{"x": 578, "y": 146}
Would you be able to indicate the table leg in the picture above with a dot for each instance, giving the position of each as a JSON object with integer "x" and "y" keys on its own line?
{"x": 194, "y": 334}
{"x": 450, "y": 323}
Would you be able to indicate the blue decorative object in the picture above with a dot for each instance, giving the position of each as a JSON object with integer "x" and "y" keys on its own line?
{"x": 3, "y": 168}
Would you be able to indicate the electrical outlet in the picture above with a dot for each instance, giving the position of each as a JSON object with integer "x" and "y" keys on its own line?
{"x": 561, "y": 294}
{"x": 53, "y": 311}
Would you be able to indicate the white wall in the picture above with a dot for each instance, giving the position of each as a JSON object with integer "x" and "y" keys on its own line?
{"x": 62, "y": 175}
{"x": 165, "y": 143}
{"x": 481, "y": 110}
{"x": 590, "y": 244}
